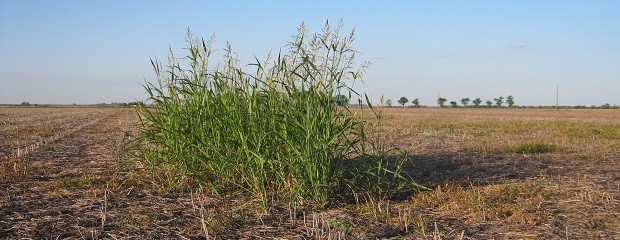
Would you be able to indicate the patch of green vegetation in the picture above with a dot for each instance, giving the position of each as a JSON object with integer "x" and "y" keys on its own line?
{"x": 480, "y": 127}
{"x": 139, "y": 218}
{"x": 342, "y": 225}
{"x": 606, "y": 131}
{"x": 83, "y": 182}
{"x": 276, "y": 134}
{"x": 524, "y": 148}
{"x": 527, "y": 147}
{"x": 586, "y": 131}
{"x": 451, "y": 128}
{"x": 533, "y": 148}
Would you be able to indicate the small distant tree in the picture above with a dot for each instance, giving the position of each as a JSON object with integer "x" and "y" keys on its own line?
{"x": 441, "y": 101}
{"x": 489, "y": 103}
{"x": 477, "y": 102}
{"x": 499, "y": 101}
{"x": 510, "y": 101}
{"x": 454, "y": 104}
{"x": 402, "y": 101}
{"x": 465, "y": 101}
{"x": 606, "y": 106}
{"x": 416, "y": 102}
{"x": 389, "y": 103}
{"x": 135, "y": 104}
{"x": 341, "y": 100}
{"x": 25, "y": 104}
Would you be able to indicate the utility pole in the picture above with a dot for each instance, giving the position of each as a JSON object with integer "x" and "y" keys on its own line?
{"x": 557, "y": 96}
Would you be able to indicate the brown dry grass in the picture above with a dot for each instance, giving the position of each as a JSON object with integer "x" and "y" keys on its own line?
{"x": 496, "y": 174}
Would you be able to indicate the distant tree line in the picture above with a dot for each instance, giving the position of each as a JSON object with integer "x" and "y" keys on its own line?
{"x": 341, "y": 100}
{"x": 441, "y": 102}
{"x": 477, "y": 102}
{"x": 499, "y": 102}
{"x": 121, "y": 104}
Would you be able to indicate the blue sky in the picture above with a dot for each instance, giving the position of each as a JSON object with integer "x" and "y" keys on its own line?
{"x": 98, "y": 51}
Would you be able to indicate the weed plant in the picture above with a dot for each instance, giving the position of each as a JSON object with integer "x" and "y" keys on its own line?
{"x": 275, "y": 133}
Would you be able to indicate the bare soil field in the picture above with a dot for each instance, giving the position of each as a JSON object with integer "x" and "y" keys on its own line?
{"x": 494, "y": 174}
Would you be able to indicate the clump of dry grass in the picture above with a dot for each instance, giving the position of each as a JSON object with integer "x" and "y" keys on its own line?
{"x": 82, "y": 182}
{"x": 15, "y": 165}
{"x": 13, "y": 168}
{"x": 514, "y": 203}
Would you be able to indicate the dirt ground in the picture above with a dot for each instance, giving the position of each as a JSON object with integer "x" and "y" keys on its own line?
{"x": 78, "y": 183}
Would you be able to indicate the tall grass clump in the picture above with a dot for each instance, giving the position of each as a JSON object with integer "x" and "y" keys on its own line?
{"x": 273, "y": 131}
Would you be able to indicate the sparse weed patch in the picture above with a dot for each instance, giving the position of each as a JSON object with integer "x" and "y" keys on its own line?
{"x": 528, "y": 147}
{"x": 14, "y": 165}
{"x": 13, "y": 168}
{"x": 138, "y": 219}
{"x": 536, "y": 147}
{"x": 341, "y": 225}
{"x": 83, "y": 182}
{"x": 514, "y": 202}
{"x": 510, "y": 135}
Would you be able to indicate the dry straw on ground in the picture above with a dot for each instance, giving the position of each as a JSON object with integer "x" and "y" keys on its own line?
{"x": 78, "y": 187}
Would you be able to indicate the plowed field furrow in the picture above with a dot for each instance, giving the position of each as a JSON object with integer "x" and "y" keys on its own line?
{"x": 57, "y": 188}
{"x": 31, "y": 134}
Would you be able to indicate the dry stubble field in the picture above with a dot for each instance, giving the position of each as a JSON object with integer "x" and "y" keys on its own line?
{"x": 495, "y": 174}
